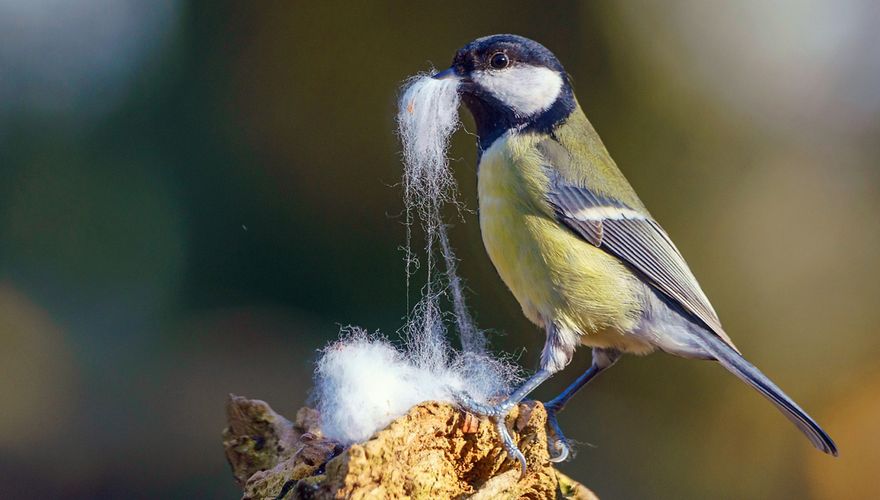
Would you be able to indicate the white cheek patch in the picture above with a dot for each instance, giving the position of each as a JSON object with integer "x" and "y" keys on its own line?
{"x": 526, "y": 89}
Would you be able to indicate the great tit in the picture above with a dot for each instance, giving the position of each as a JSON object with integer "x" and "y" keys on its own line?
{"x": 572, "y": 241}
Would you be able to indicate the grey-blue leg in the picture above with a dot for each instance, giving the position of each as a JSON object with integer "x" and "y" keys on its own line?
{"x": 602, "y": 360}
{"x": 505, "y": 406}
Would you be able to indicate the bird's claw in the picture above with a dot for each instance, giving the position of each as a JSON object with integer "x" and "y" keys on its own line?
{"x": 510, "y": 445}
{"x": 562, "y": 448}
{"x": 498, "y": 416}
{"x": 556, "y": 441}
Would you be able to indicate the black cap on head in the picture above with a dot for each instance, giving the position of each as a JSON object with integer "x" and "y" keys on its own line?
{"x": 510, "y": 82}
{"x": 518, "y": 49}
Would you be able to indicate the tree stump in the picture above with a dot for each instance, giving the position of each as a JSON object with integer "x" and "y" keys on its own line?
{"x": 434, "y": 451}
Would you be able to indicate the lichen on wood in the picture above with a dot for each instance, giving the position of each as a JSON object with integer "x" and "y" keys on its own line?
{"x": 434, "y": 451}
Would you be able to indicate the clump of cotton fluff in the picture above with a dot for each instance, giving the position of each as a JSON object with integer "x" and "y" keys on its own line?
{"x": 363, "y": 381}
{"x": 362, "y": 385}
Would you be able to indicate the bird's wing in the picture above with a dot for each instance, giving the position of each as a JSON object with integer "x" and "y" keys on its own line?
{"x": 637, "y": 240}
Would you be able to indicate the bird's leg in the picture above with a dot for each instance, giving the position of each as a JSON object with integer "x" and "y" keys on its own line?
{"x": 497, "y": 413}
{"x": 501, "y": 409}
{"x": 557, "y": 352}
{"x": 602, "y": 360}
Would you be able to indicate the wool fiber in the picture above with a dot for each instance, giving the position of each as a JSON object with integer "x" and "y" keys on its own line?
{"x": 426, "y": 119}
{"x": 364, "y": 381}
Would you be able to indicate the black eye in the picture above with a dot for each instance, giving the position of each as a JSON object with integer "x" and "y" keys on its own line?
{"x": 499, "y": 60}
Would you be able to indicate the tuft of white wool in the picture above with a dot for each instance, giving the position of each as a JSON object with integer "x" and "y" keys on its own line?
{"x": 426, "y": 119}
{"x": 363, "y": 382}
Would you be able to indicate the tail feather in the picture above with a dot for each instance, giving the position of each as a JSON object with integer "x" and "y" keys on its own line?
{"x": 746, "y": 372}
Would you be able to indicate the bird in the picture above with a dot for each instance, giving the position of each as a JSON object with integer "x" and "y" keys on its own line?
{"x": 573, "y": 242}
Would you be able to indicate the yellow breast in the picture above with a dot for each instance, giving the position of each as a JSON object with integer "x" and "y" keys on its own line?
{"x": 553, "y": 274}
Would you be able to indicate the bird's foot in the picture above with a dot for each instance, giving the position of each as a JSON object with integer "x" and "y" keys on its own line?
{"x": 557, "y": 444}
{"x": 497, "y": 414}
{"x": 509, "y": 444}
{"x": 469, "y": 404}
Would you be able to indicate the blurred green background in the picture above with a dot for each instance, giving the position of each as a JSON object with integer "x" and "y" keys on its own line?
{"x": 195, "y": 195}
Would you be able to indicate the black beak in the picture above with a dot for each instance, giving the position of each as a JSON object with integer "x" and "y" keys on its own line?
{"x": 446, "y": 74}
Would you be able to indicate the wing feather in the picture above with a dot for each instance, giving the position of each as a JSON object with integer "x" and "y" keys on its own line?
{"x": 638, "y": 241}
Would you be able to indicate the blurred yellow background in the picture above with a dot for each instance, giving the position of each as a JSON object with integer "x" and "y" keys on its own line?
{"x": 195, "y": 195}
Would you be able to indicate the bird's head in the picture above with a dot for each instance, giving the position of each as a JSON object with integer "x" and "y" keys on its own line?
{"x": 510, "y": 82}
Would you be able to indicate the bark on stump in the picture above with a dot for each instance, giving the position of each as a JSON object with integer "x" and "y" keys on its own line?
{"x": 434, "y": 451}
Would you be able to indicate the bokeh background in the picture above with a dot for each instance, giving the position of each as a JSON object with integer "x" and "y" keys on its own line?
{"x": 194, "y": 196}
